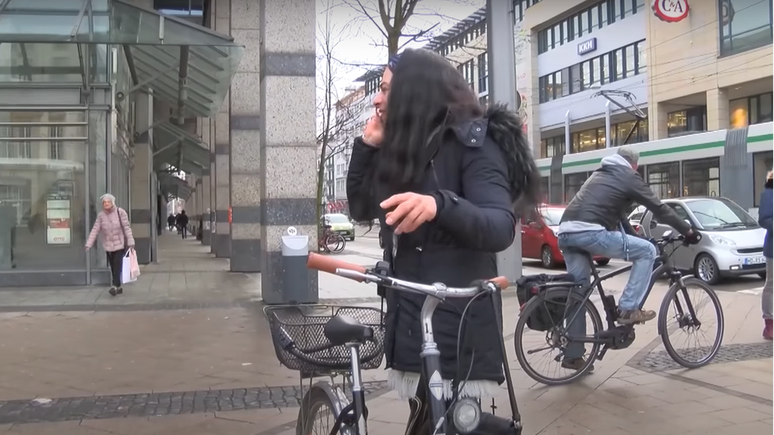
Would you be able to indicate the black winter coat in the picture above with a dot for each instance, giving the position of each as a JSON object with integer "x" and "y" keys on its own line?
{"x": 475, "y": 220}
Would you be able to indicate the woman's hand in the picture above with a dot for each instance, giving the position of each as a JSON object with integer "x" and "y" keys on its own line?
{"x": 410, "y": 211}
{"x": 373, "y": 133}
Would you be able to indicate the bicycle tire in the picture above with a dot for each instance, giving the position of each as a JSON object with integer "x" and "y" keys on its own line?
{"x": 663, "y": 314}
{"x": 341, "y": 243}
{"x": 313, "y": 400}
{"x": 521, "y": 324}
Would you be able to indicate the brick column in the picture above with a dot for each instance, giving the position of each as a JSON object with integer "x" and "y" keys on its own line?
{"x": 287, "y": 129}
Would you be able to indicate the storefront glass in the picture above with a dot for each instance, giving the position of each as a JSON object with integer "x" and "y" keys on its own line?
{"x": 42, "y": 195}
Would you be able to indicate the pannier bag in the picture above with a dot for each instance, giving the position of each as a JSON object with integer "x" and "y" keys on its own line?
{"x": 550, "y": 312}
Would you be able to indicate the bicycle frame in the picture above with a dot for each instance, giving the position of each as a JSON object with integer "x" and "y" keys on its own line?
{"x": 663, "y": 268}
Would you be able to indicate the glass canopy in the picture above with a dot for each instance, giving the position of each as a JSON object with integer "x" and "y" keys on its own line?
{"x": 175, "y": 186}
{"x": 186, "y": 65}
{"x": 178, "y": 148}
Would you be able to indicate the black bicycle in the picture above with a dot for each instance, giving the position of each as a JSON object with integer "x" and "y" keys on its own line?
{"x": 550, "y": 303}
{"x": 340, "y": 351}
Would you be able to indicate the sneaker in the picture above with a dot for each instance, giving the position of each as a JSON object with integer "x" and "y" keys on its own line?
{"x": 576, "y": 364}
{"x": 630, "y": 317}
{"x": 112, "y": 291}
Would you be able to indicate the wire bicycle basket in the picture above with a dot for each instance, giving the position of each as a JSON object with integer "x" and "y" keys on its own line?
{"x": 304, "y": 325}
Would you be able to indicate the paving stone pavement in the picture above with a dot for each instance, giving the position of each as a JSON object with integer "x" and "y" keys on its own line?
{"x": 111, "y": 365}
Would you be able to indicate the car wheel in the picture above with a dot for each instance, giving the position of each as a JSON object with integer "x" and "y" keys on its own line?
{"x": 706, "y": 269}
{"x": 352, "y": 239}
{"x": 603, "y": 262}
{"x": 762, "y": 275}
{"x": 547, "y": 257}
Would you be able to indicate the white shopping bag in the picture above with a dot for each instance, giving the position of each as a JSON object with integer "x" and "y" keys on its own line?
{"x": 126, "y": 269}
{"x": 135, "y": 269}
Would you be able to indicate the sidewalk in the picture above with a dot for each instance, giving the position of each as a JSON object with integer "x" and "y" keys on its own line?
{"x": 198, "y": 359}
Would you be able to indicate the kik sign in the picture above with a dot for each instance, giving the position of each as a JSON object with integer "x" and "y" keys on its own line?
{"x": 671, "y": 11}
{"x": 587, "y": 46}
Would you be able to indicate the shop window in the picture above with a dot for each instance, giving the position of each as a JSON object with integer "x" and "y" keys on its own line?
{"x": 744, "y": 25}
{"x": 573, "y": 184}
{"x": 762, "y": 164}
{"x": 552, "y": 146}
{"x": 664, "y": 179}
{"x": 750, "y": 110}
{"x": 687, "y": 121}
{"x": 701, "y": 177}
{"x": 587, "y": 140}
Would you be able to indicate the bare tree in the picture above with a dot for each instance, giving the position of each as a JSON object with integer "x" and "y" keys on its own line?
{"x": 392, "y": 18}
{"x": 336, "y": 118}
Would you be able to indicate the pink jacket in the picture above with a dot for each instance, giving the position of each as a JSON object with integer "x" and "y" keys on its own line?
{"x": 114, "y": 227}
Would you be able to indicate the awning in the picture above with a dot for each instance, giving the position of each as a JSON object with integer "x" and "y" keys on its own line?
{"x": 176, "y": 147}
{"x": 186, "y": 65}
{"x": 175, "y": 186}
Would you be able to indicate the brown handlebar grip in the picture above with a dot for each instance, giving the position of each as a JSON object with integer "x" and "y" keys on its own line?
{"x": 327, "y": 264}
{"x": 501, "y": 282}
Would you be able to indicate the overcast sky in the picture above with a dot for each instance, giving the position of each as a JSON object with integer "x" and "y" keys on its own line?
{"x": 359, "y": 45}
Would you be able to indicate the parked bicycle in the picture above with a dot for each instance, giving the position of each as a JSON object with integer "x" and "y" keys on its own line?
{"x": 331, "y": 242}
{"x": 545, "y": 308}
{"x": 349, "y": 347}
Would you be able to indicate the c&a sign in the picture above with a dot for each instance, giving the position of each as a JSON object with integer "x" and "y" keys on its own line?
{"x": 671, "y": 11}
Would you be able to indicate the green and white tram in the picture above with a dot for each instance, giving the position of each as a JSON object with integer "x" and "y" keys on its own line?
{"x": 731, "y": 163}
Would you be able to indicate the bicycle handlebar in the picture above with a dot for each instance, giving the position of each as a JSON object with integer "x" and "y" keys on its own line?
{"x": 362, "y": 274}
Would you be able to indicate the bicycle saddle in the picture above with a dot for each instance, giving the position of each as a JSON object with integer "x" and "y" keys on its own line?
{"x": 344, "y": 329}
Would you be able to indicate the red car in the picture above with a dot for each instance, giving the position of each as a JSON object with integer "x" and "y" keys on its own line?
{"x": 538, "y": 236}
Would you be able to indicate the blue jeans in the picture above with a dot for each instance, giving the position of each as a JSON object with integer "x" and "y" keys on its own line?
{"x": 609, "y": 244}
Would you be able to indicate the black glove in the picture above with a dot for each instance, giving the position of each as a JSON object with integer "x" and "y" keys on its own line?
{"x": 692, "y": 238}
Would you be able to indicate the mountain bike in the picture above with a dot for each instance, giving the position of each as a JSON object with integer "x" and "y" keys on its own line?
{"x": 331, "y": 242}
{"x": 348, "y": 336}
{"x": 545, "y": 309}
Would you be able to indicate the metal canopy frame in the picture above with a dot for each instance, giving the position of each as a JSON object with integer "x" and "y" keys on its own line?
{"x": 178, "y": 148}
{"x": 172, "y": 185}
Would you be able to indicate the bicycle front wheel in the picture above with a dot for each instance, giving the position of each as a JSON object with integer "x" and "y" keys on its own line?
{"x": 339, "y": 243}
{"x": 548, "y": 347}
{"x": 318, "y": 413}
{"x": 695, "y": 311}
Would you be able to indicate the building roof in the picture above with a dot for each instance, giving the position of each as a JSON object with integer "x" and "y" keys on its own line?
{"x": 457, "y": 29}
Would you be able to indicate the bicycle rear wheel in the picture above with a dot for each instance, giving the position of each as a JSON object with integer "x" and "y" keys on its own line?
{"x": 555, "y": 337}
{"x": 337, "y": 243}
{"x": 676, "y": 306}
{"x": 318, "y": 413}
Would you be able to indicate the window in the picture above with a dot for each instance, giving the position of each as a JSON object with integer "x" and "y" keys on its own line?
{"x": 587, "y": 140}
{"x": 483, "y": 72}
{"x": 762, "y": 164}
{"x": 584, "y": 22}
{"x": 638, "y": 135}
{"x": 484, "y": 101}
{"x": 744, "y": 25}
{"x": 573, "y": 184}
{"x": 664, "y": 179}
{"x": 621, "y": 63}
{"x": 687, "y": 121}
{"x": 750, "y": 110}
{"x": 701, "y": 177}
{"x": 552, "y": 146}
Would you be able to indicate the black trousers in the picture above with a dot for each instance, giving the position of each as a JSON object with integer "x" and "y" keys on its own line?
{"x": 184, "y": 230}
{"x": 116, "y": 262}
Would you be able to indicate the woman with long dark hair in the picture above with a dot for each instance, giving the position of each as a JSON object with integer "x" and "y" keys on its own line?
{"x": 446, "y": 180}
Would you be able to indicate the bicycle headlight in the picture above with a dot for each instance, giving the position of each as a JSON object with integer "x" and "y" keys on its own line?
{"x": 466, "y": 415}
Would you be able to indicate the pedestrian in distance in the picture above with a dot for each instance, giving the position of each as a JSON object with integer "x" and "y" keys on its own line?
{"x": 182, "y": 223}
{"x": 765, "y": 220}
{"x": 115, "y": 230}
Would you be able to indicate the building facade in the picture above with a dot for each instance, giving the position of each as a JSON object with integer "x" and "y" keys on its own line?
{"x": 122, "y": 96}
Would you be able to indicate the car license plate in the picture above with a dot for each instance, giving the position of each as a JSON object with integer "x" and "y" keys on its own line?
{"x": 755, "y": 260}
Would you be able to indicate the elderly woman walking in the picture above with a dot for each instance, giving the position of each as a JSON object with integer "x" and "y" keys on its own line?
{"x": 765, "y": 219}
{"x": 114, "y": 227}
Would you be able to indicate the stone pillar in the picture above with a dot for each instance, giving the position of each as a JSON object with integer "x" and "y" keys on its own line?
{"x": 287, "y": 129}
{"x": 657, "y": 121}
{"x": 245, "y": 156}
{"x": 717, "y": 109}
{"x": 143, "y": 221}
{"x": 222, "y": 240}
{"x": 213, "y": 189}
{"x": 205, "y": 185}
